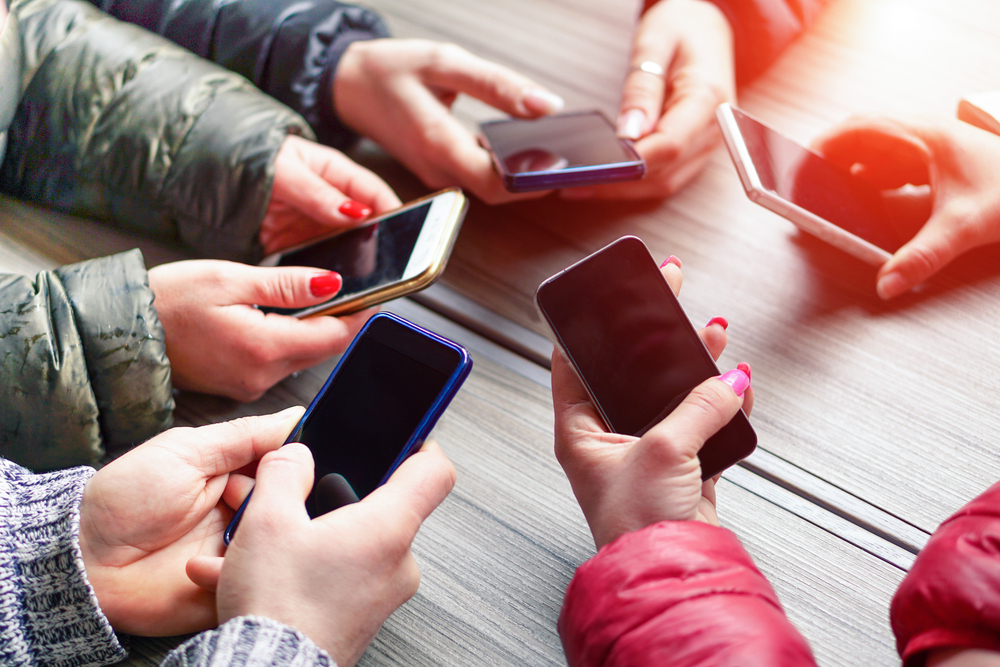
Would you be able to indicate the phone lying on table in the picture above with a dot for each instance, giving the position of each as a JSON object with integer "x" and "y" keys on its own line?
{"x": 396, "y": 254}
{"x": 560, "y": 151}
{"x": 623, "y": 330}
{"x": 377, "y": 407}
{"x": 818, "y": 196}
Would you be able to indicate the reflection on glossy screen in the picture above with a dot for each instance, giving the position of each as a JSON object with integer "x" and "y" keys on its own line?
{"x": 553, "y": 143}
{"x": 802, "y": 177}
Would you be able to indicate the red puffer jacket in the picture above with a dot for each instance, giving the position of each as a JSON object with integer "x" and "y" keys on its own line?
{"x": 681, "y": 593}
{"x": 951, "y": 597}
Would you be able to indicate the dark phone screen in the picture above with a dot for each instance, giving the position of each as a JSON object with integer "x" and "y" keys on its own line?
{"x": 373, "y": 406}
{"x": 555, "y": 142}
{"x": 807, "y": 180}
{"x": 368, "y": 256}
{"x": 631, "y": 342}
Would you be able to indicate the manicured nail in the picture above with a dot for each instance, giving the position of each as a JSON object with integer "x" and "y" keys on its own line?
{"x": 541, "y": 101}
{"x": 737, "y": 379}
{"x": 577, "y": 193}
{"x": 673, "y": 259}
{"x": 325, "y": 284}
{"x": 632, "y": 124}
{"x": 745, "y": 368}
{"x": 354, "y": 209}
{"x": 721, "y": 321}
{"x": 890, "y": 285}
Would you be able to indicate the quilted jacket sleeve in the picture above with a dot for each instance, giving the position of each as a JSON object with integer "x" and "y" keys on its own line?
{"x": 83, "y": 365}
{"x": 951, "y": 596}
{"x": 289, "y": 48}
{"x": 681, "y": 593}
{"x": 116, "y": 123}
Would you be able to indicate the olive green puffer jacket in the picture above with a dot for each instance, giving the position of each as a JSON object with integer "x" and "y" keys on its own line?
{"x": 106, "y": 120}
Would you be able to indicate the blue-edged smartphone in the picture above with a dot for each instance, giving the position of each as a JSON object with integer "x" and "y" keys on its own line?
{"x": 561, "y": 151}
{"x": 376, "y": 408}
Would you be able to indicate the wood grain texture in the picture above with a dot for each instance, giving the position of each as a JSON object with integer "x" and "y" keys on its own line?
{"x": 889, "y": 402}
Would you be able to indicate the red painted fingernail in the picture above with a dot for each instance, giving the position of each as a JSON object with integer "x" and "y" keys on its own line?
{"x": 721, "y": 321}
{"x": 325, "y": 284}
{"x": 355, "y": 209}
{"x": 673, "y": 259}
{"x": 745, "y": 368}
{"x": 737, "y": 380}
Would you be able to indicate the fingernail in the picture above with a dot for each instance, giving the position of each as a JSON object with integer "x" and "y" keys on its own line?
{"x": 745, "y": 368}
{"x": 325, "y": 284}
{"x": 355, "y": 209}
{"x": 632, "y": 124}
{"x": 673, "y": 259}
{"x": 577, "y": 193}
{"x": 294, "y": 411}
{"x": 890, "y": 285}
{"x": 737, "y": 379}
{"x": 721, "y": 321}
{"x": 541, "y": 101}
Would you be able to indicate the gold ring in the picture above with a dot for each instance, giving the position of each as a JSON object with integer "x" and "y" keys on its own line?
{"x": 649, "y": 67}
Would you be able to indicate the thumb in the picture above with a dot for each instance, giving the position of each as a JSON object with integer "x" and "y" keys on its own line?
{"x": 935, "y": 245}
{"x": 284, "y": 480}
{"x": 289, "y": 286}
{"x": 203, "y": 571}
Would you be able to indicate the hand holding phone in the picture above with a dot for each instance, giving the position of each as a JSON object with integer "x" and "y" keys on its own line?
{"x": 560, "y": 151}
{"x": 376, "y": 408}
{"x": 633, "y": 348}
{"x": 396, "y": 254}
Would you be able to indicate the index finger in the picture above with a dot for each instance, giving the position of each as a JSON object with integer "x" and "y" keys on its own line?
{"x": 319, "y": 337}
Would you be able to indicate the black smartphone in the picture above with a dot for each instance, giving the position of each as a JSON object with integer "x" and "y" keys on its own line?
{"x": 376, "y": 408}
{"x": 617, "y": 320}
{"x": 816, "y": 195}
{"x": 560, "y": 151}
{"x": 396, "y": 254}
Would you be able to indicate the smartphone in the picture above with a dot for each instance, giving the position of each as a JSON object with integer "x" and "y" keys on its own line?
{"x": 820, "y": 197}
{"x": 620, "y": 325}
{"x": 376, "y": 408}
{"x": 560, "y": 151}
{"x": 396, "y": 254}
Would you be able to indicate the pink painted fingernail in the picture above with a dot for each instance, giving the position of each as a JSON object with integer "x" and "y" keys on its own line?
{"x": 673, "y": 259}
{"x": 721, "y": 321}
{"x": 737, "y": 380}
{"x": 325, "y": 284}
{"x": 745, "y": 368}
{"x": 354, "y": 209}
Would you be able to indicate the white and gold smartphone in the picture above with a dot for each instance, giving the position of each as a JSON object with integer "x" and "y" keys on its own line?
{"x": 396, "y": 254}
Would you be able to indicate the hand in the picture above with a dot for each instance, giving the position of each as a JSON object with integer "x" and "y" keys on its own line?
{"x": 624, "y": 483}
{"x": 335, "y": 578}
{"x": 399, "y": 92}
{"x": 144, "y": 515}
{"x": 672, "y": 118}
{"x": 317, "y": 190}
{"x": 218, "y": 343}
{"x": 959, "y": 162}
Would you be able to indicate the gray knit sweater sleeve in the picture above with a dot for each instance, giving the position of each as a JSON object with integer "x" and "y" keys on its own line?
{"x": 48, "y": 612}
{"x": 249, "y": 641}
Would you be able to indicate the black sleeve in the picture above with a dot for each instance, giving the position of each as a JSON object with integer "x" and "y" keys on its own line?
{"x": 290, "y": 49}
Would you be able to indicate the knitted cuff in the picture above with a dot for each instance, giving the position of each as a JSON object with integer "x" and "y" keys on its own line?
{"x": 249, "y": 641}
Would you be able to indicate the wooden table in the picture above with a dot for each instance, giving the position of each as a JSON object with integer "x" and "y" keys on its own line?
{"x": 875, "y": 420}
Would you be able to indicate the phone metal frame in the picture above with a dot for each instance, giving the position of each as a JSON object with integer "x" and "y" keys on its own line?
{"x": 597, "y": 174}
{"x": 408, "y": 284}
{"x": 800, "y": 217}
{"x": 423, "y": 429}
